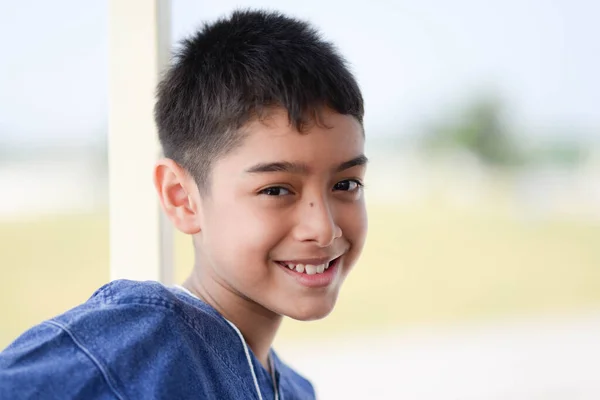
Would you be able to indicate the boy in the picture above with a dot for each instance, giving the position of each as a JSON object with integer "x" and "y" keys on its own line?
{"x": 261, "y": 126}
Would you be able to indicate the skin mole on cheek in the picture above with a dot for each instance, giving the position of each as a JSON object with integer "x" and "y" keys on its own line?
{"x": 311, "y": 204}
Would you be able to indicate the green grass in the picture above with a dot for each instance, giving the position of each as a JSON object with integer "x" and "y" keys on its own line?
{"x": 428, "y": 264}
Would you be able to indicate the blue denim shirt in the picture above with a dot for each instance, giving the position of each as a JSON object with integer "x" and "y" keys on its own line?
{"x": 141, "y": 340}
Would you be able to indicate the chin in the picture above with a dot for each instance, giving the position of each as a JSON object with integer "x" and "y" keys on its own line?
{"x": 310, "y": 310}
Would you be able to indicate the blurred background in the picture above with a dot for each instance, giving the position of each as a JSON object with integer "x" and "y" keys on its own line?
{"x": 481, "y": 274}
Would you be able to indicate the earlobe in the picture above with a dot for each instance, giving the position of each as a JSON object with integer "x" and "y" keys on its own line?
{"x": 178, "y": 195}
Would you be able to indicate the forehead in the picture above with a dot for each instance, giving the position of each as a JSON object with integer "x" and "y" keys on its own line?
{"x": 337, "y": 138}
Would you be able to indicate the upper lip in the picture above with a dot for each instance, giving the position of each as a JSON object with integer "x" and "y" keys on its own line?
{"x": 311, "y": 261}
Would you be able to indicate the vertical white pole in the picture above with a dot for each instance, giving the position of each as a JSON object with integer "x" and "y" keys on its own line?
{"x": 141, "y": 245}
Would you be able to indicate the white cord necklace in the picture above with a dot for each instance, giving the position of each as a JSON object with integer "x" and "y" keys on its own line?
{"x": 272, "y": 365}
{"x": 248, "y": 358}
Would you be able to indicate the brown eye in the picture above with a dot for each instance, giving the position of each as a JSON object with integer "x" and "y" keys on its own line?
{"x": 349, "y": 185}
{"x": 275, "y": 191}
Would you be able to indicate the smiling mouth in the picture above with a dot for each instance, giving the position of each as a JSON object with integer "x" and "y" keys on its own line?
{"x": 309, "y": 269}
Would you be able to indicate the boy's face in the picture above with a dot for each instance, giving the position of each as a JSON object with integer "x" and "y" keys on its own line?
{"x": 283, "y": 200}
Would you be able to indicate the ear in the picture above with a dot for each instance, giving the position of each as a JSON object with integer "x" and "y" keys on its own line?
{"x": 178, "y": 195}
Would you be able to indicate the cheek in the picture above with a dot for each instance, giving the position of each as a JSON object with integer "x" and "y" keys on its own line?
{"x": 243, "y": 232}
{"x": 354, "y": 225}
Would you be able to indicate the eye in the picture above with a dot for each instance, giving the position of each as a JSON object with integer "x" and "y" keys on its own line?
{"x": 348, "y": 185}
{"x": 275, "y": 191}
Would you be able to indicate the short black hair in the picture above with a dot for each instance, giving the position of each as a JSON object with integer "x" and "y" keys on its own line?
{"x": 236, "y": 69}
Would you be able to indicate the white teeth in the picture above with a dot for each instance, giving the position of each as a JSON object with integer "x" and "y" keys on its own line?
{"x": 311, "y": 269}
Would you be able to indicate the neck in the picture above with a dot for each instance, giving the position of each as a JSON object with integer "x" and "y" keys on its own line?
{"x": 257, "y": 324}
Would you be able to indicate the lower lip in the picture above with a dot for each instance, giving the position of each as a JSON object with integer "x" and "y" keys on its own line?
{"x": 315, "y": 280}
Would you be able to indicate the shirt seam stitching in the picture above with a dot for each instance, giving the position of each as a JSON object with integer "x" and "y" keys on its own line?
{"x": 88, "y": 353}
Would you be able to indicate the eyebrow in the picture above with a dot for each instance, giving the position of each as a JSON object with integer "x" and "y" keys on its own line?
{"x": 301, "y": 168}
{"x": 356, "y": 161}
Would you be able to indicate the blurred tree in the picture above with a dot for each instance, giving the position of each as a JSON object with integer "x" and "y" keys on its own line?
{"x": 479, "y": 129}
{"x": 566, "y": 152}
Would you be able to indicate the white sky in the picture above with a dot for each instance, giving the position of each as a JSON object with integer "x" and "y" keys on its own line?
{"x": 413, "y": 59}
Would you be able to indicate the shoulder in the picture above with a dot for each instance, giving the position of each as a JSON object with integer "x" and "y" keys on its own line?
{"x": 47, "y": 362}
{"x": 123, "y": 313}
{"x": 117, "y": 314}
{"x": 124, "y": 337}
{"x": 117, "y": 309}
{"x": 132, "y": 292}
{"x": 124, "y": 302}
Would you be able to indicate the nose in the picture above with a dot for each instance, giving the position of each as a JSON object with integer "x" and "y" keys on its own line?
{"x": 316, "y": 223}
